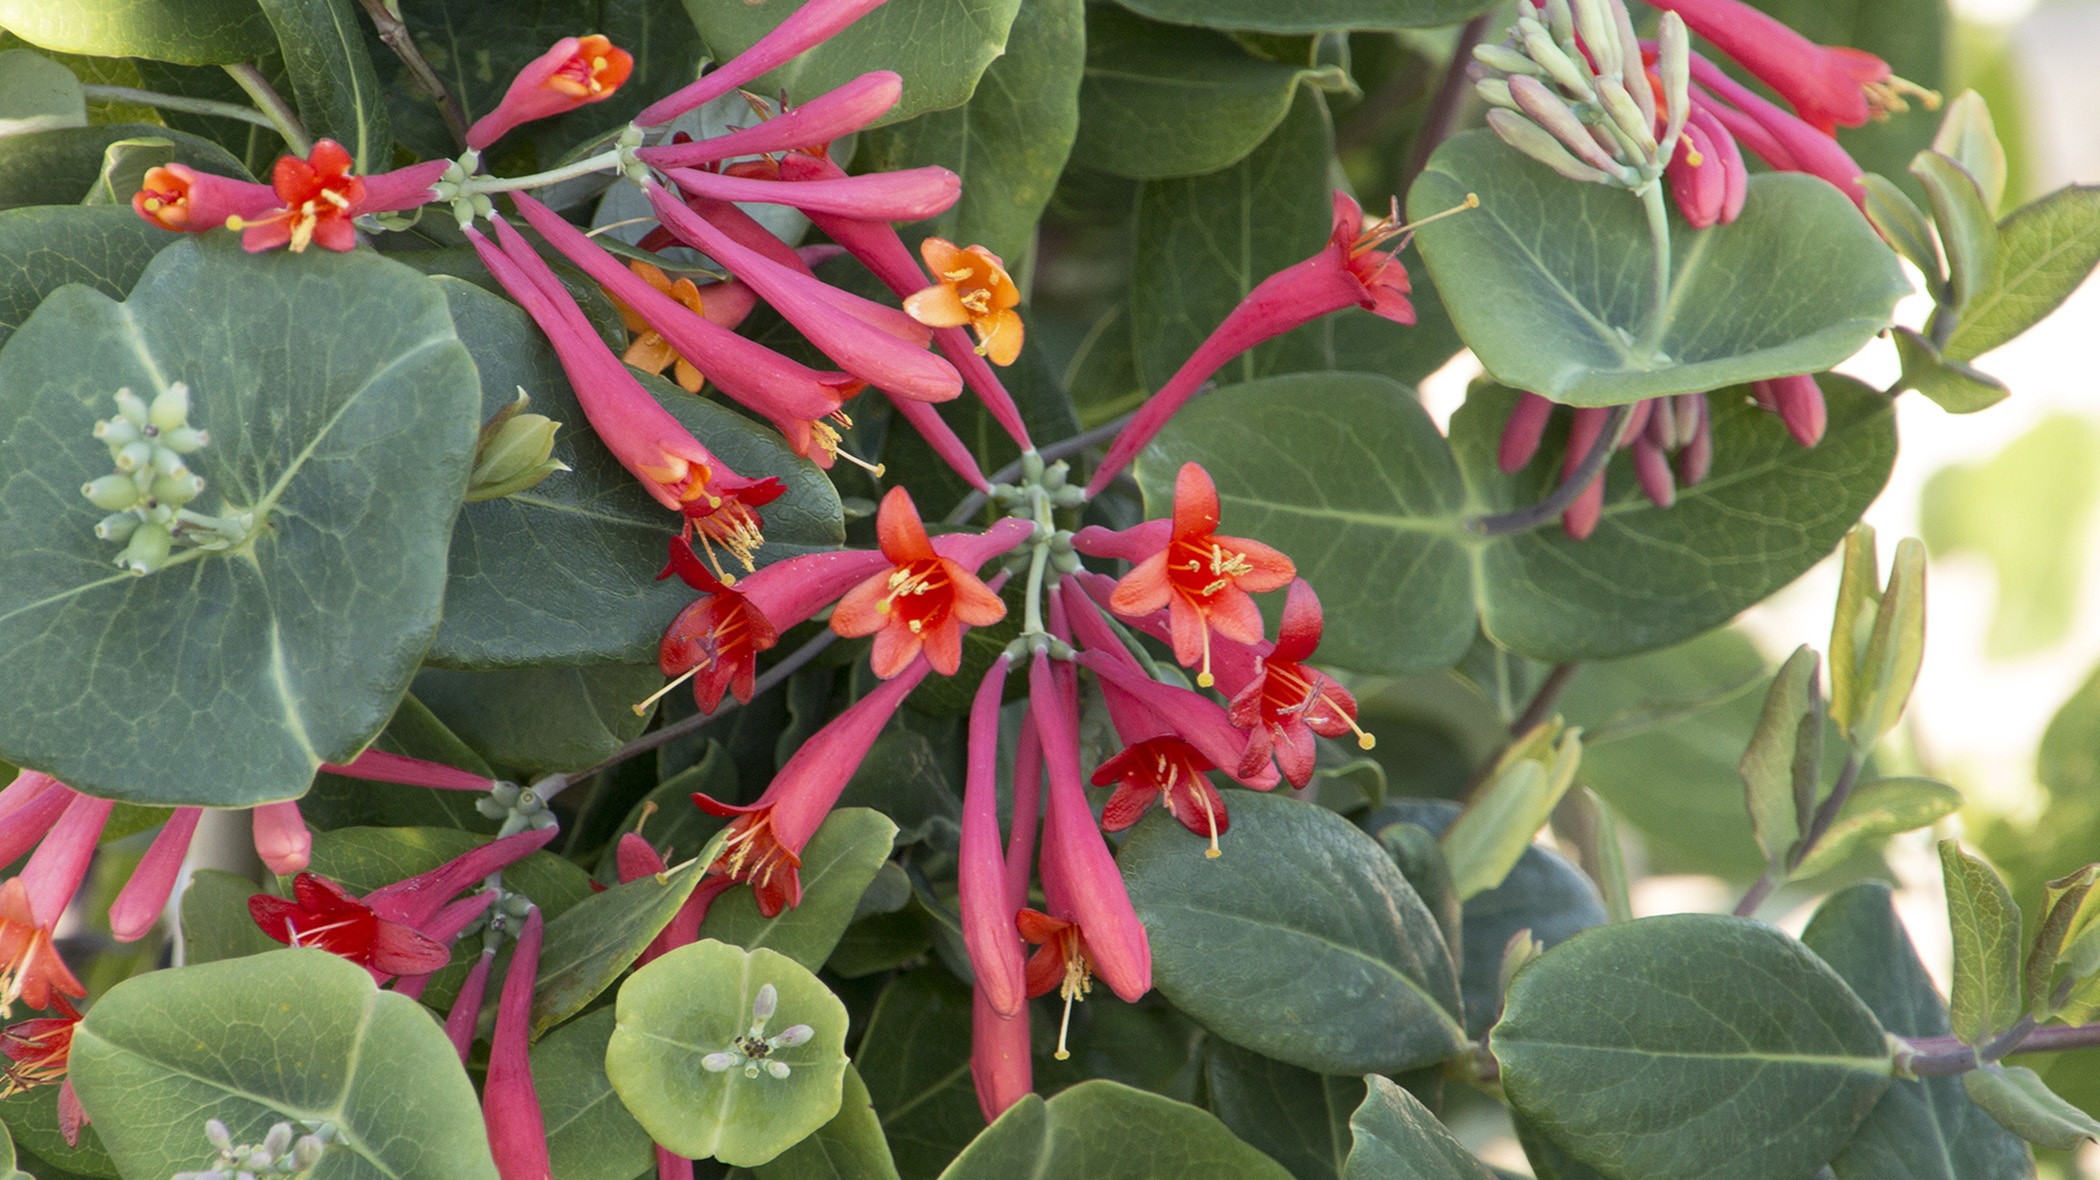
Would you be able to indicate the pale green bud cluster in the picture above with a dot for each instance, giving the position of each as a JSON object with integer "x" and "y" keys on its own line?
{"x": 514, "y": 453}
{"x": 152, "y": 484}
{"x": 519, "y": 807}
{"x": 1568, "y": 88}
{"x": 279, "y": 1154}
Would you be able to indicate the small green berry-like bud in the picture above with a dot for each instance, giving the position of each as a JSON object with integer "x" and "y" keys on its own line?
{"x": 307, "y": 1152}
{"x": 279, "y": 1140}
{"x": 1536, "y": 142}
{"x": 1495, "y": 92}
{"x": 185, "y": 440}
{"x": 117, "y": 526}
{"x": 112, "y": 493}
{"x": 172, "y": 408}
{"x": 167, "y": 462}
{"x": 148, "y": 550}
{"x": 117, "y": 431}
{"x": 1509, "y": 61}
{"x": 178, "y": 490}
{"x": 1539, "y": 46}
{"x": 133, "y": 409}
{"x": 134, "y": 455}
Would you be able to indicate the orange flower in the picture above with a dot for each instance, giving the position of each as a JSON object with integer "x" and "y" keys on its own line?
{"x": 646, "y": 348}
{"x": 925, "y": 599}
{"x": 974, "y": 289}
{"x": 577, "y": 70}
{"x": 319, "y": 198}
{"x": 30, "y": 968}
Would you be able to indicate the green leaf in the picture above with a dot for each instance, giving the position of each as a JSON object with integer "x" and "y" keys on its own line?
{"x": 60, "y": 167}
{"x": 1782, "y": 768}
{"x": 695, "y": 1001}
{"x": 215, "y": 920}
{"x": 1486, "y": 840}
{"x": 902, "y": 778}
{"x": 1876, "y": 810}
{"x": 43, "y": 249}
{"x": 332, "y": 77}
{"x": 195, "y": 32}
{"x": 1395, "y": 568}
{"x": 1920, "y": 1130}
{"x": 38, "y": 94}
{"x": 1396, "y": 1138}
{"x": 1008, "y": 143}
{"x": 1968, "y": 235}
{"x": 1308, "y": 16}
{"x": 565, "y": 572}
{"x": 1852, "y": 622}
{"x": 1633, "y": 1045}
{"x": 351, "y": 448}
{"x": 1303, "y": 942}
{"x": 1986, "y": 928}
{"x": 590, "y": 1136}
{"x": 124, "y": 167}
{"x": 1159, "y": 101}
{"x": 32, "y": 1119}
{"x": 2045, "y": 249}
{"x": 1102, "y": 1130}
{"x": 2025, "y": 1105}
{"x": 837, "y": 865}
{"x": 1298, "y": 1118}
{"x": 591, "y": 945}
{"x": 679, "y": 831}
{"x": 292, "y": 1035}
{"x": 1888, "y": 667}
{"x": 1202, "y": 243}
{"x": 940, "y": 47}
{"x": 542, "y": 718}
{"x": 1550, "y": 282}
{"x": 1903, "y": 225}
{"x": 1955, "y": 386}
{"x": 849, "y": 1147}
{"x": 915, "y": 1059}
{"x": 1967, "y": 137}
{"x": 1415, "y": 851}
{"x": 7, "y": 1160}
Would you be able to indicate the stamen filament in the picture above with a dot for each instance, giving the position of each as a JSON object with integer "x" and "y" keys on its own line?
{"x": 641, "y": 708}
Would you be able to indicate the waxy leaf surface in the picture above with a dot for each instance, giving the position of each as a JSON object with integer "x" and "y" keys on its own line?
{"x": 915, "y": 1060}
{"x": 1103, "y": 1130}
{"x": 1397, "y": 1138}
{"x": 837, "y": 865}
{"x": 44, "y": 248}
{"x": 1296, "y": 1117}
{"x": 197, "y": 32}
{"x": 590, "y": 1135}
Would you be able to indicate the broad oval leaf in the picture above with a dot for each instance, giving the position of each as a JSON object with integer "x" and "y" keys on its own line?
{"x": 2045, "y": 249}
{"x": 195, "y": 32}
{"x": 1101, "y": 1130}
{"x": 940, "y": 47}
{"x": 38, "y": 94}
{"x": 1396, "y": 1138}
{"x": 1309, "y": 16}
{"x": 332, "y": 76}
{"x": 592, "y": 944}
{"x": 43, "y": 248}
{"x": 1926, "y": 1129}
{"x": 1876, "y": 810}
{"x": 1641, "y": 1046}
{"x": 695, "y": 1001}
{"x": 62, "y": 166}
{"x": 915, "y": 1059}
{"x": 590, "y": 1136}
{"x": 1302, "y": 942}
{"x": 1296, "y": 1117}
{"x": 1985, "y": 921}
{"x": 1550, "y": 281}
{"x": 351, "y": 445}
{"x": 837, "y": 865}
{"x": 294, "y": 1035}
{"x": 849, "y": 1147}
{"x": 560, "y": 717}
{"x": 1159, "y": 101}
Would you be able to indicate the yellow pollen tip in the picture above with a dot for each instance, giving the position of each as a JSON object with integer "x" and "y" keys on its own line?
{"x": 1694, "y": 158}
{"x": 1205, "y": 679}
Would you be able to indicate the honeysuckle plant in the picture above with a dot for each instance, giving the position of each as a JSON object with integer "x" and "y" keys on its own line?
{"x": 860, "y": 587}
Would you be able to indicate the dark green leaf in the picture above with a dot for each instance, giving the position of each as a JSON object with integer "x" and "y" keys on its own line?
{"x": 291, "y": 1035}
{"x": 565, "y": 571}
{"x": 32, "y": 1119}
{"x": 546, "y": 718}
{"x": 1105, "y": 1131}
{"x": 332, "y": 77}
{"x": 1632, "y": 1045}
{"x": 198, "y": 32}
{"x": 1549, "y": 281}
{"x": 1303, "y": 942}
{"x": 338, "y": 802}
{"x": 837, "y": 865}
{"x": 1298, "y": 1118}
{"x": 849, "y": 1147}
{"x": 590, "y": 1136}
{"x": 43, "y": 249}
{"x": 1396, "y": 1138}
{"x": 1008, "y": 143}
{"x": 2045, "y": 249}
{"x": 590, "y": 945}
{"x": 697, "y": 1000}
{"x": 1308, "y": 16}
{"x": 902, "y": 778}
{"x": 1879, "y": 809}
{"x": 351, "y": 447}
{"x": 1920, "y": 1130}
{"x": 215, "y": 920}
{"x": 679, "y": 830}
{"x": 1161, "y": 101}
{"x": 1421, "y": 860}
{"x": 940, "y": 47}
{"x": 1986, "y": 928}
{"x": 60, "y": 167}
{"x": 2025, "y": 1105}
{"x": 1954, "y": 386}
{"x": 7, "y": 1158}
{"x": 915, "y": 1059}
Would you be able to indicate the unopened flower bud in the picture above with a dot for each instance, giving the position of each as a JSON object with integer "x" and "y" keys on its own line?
{"x": 1509, "y": 61}
{"x": 113, "y": 493}
{"x": 718, "y": 1062}
{"x": 172, "y": 408}
{"x": 148, "y": 549}
{"x": 117, "y": 431}
{"x": 1673, "y": 64}
{"x": 134, "y": 455}
{"x": 767, "y": 1003}
{"x": 514, "y": 453}
{"x": 178, "y": 489}
{"x": 778, "y": 1069}
{"x": 1626, "y": 114}
{"x": 1495, "y": 92}
{"x": 185, "y": 440}
{"x": 1561, "y": 19}
{"x": 279, "y": 1138}
{"x": 117, "y": 526}
{"x": 133, "y": 408}
{"x": 794, "y": 1034}
{"x": 1538, "y": 44}
{"x": 1547, "y": 109}
{"x": 307, "y": 1152}
{"x": 1534, "y": 141}
{"x": 216, "y": 1134}
{"x": 1593, "y": 23}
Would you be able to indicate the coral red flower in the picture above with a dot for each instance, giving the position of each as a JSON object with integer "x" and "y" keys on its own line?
{"x": 323, "y": 915}
{"x": 510, "y": 1105}
{"x": 1167, "y": 771}
{"x": 575, "y": 72}
{"x": 180, "y": 198}
{"x": 1829, "y": 86}
{"x": 37, "y": 1054}
{"x": 971, "y": 287}
{"x": 1288, "y": 702}
{"x": 317, "y": 198}
{"x": 30, "y": 967}
{"x": 927, "y": 597}
{"x": 1202, "y": 578}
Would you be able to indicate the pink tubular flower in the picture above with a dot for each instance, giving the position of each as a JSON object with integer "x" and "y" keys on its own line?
{"x": 322, "y": 914}
{"x": 1781, "y": 140}
{"x": 144, "y": 898}
{"x": 766, "y": 838}
{"x": 654, "y": 446}
{"x": 910, "y": 194}
{"x": 987, "y": 916}
{"x": 1000, "y": 1065}
{"x": 1151, "y": 709}
{"x": 466, "y": 1006}
{"x": 931, "y": 591}
{"x": 1659, "y": 427}
{"x": 381, "y": 767}
{"x": 1799, "y": 403}
{"x": 880, "y": 345}
{"x": 795, "y": 398}
{"x": 1289, "y": 702}
{"x": 281, "y": 838}
{"x": 180, "y": 198}
{"x": 1350, "y": 271}
{"x": 819, "y": 121}
{"x": 1707, "y": 177}
{"x": 807, "y": 26}
{"x": 1828, "y": 86}
{"x": 575, "y": 72}
{"x": 509, "y": 1103}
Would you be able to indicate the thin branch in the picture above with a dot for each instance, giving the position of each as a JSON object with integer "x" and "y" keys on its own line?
{"x": 1523, "y": 520}
{"x": 280, "y": 113}
{"x": 970, "y": 504}
{"x": 1544, "y": 699}
{"x": 1946, "y": 1056}
{"x": 177, "y": 102}
{"x": 1818, "y": 827}
{"x": 397, "y": 38}
{"x": 1442, "y": 117}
